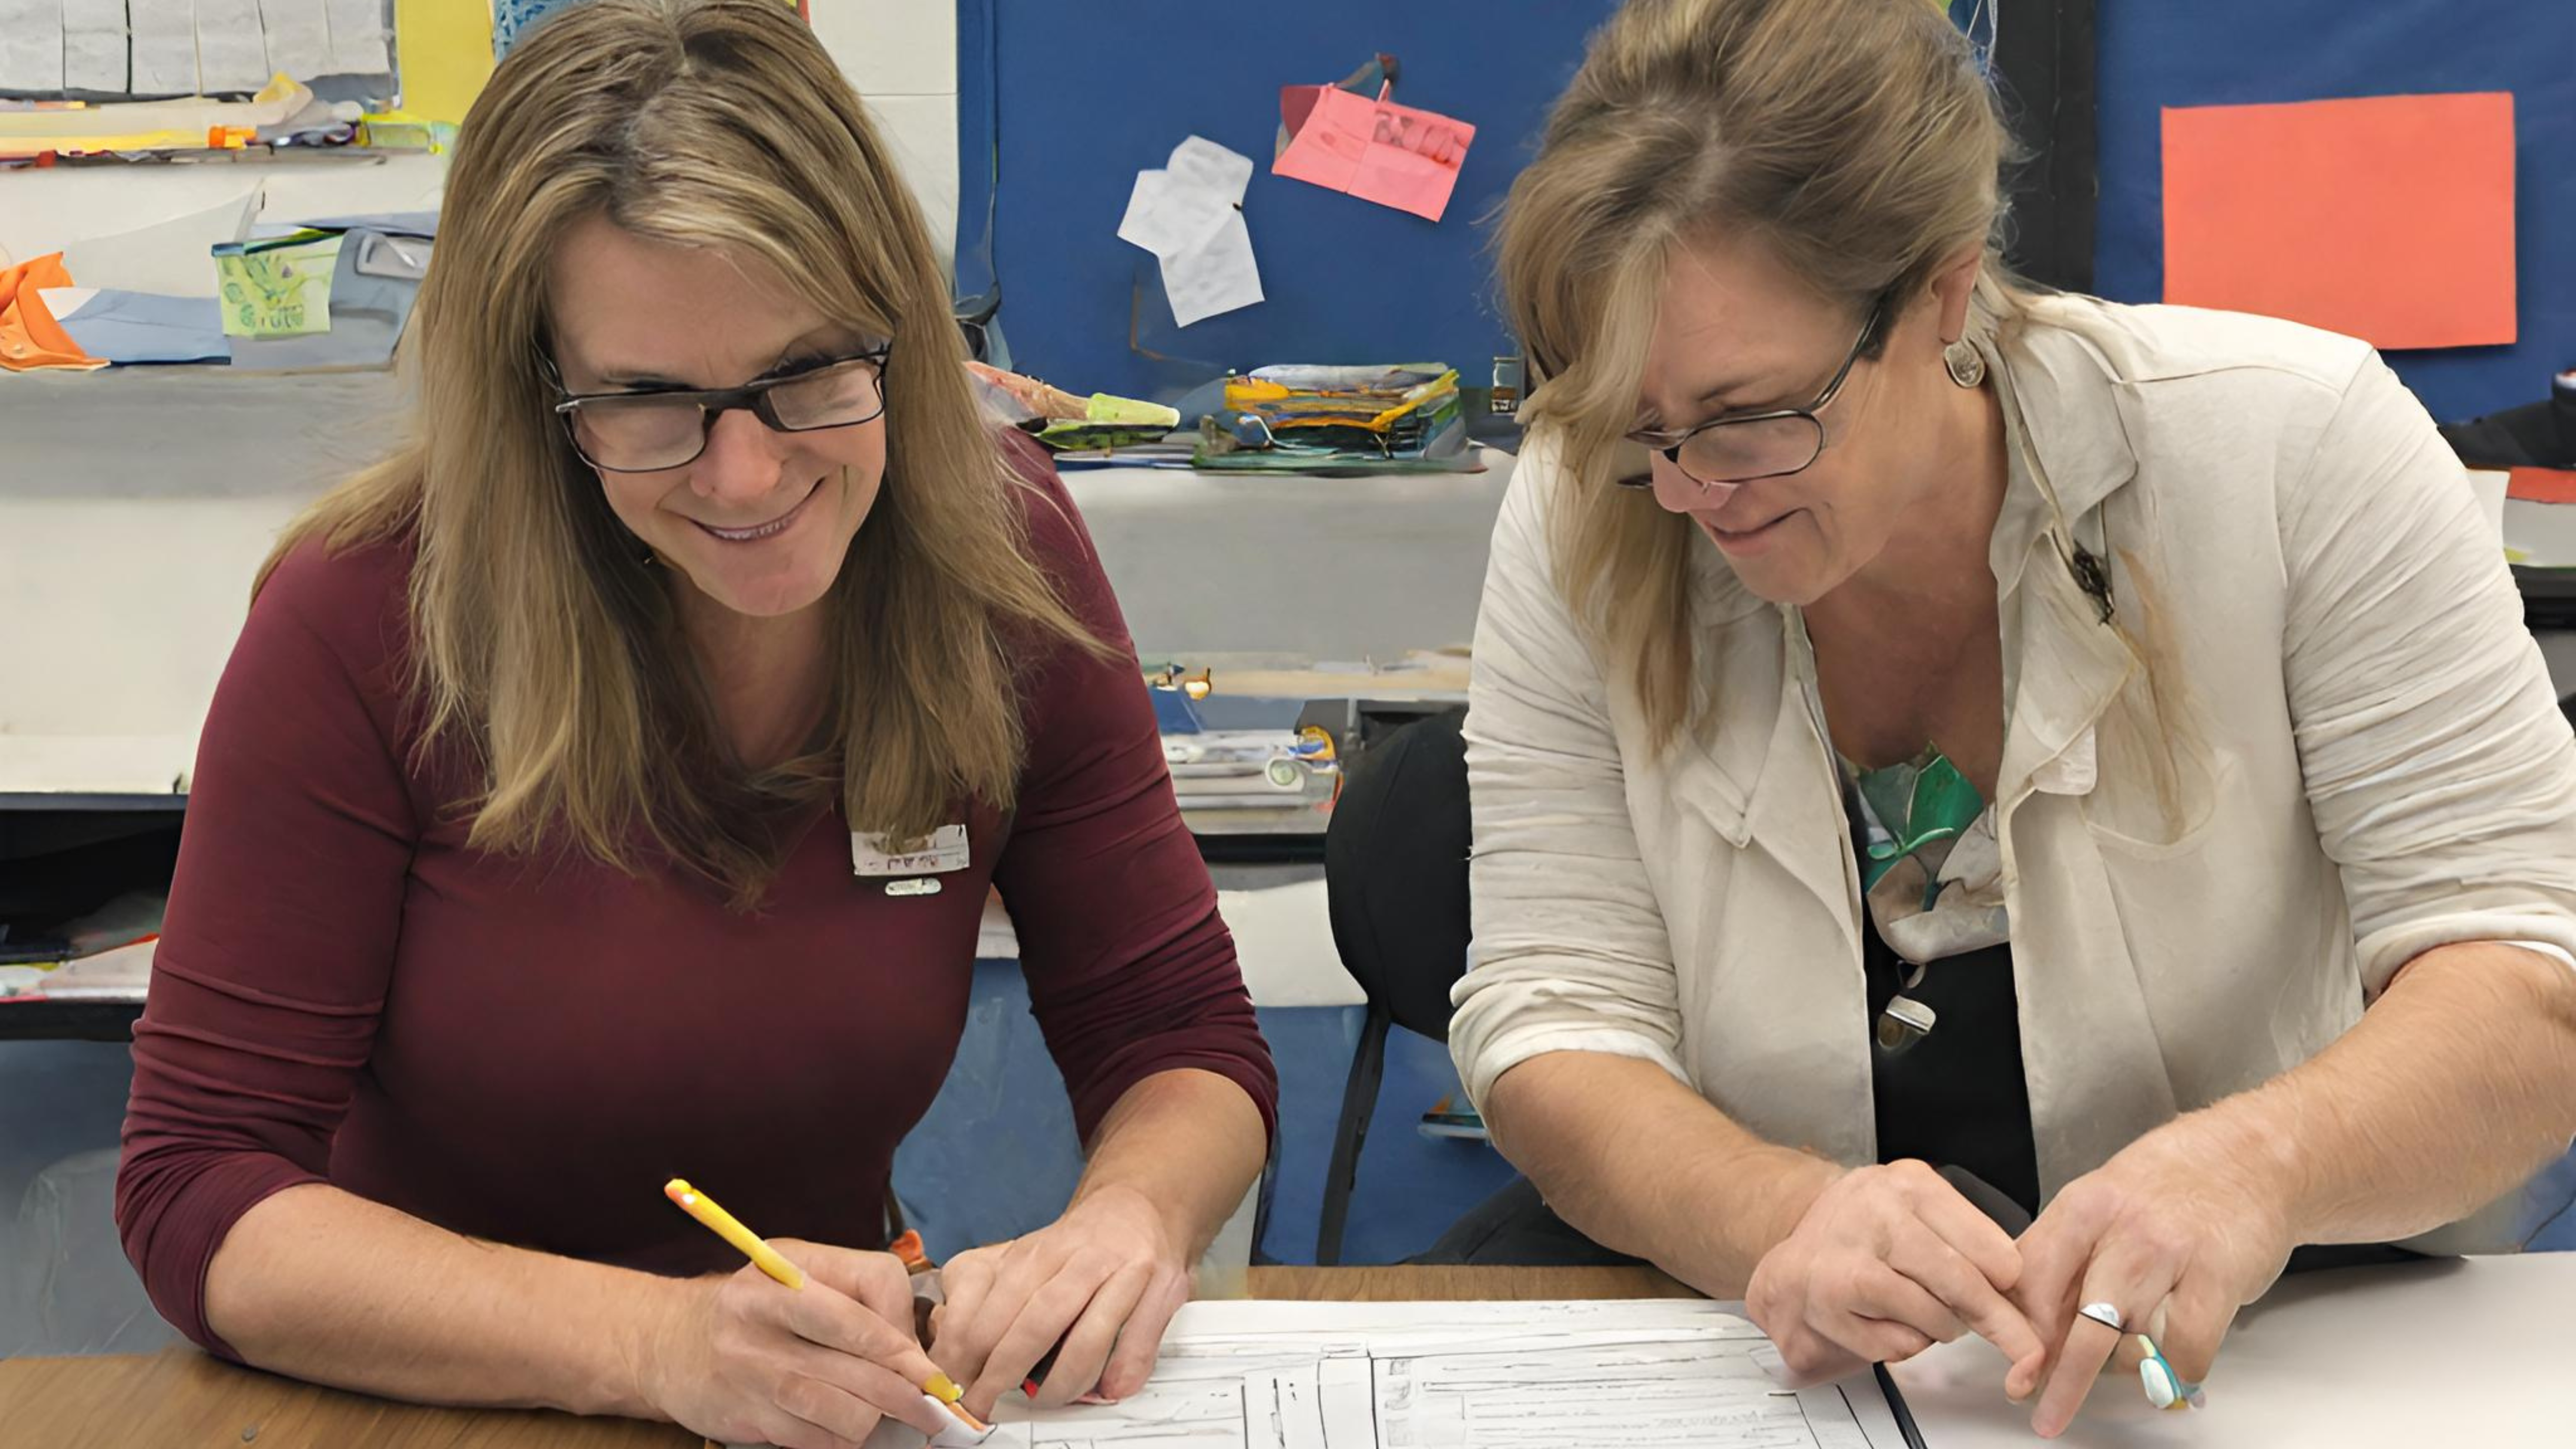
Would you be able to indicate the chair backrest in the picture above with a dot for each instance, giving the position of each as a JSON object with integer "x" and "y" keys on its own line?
{"x": 1395, "y": 872}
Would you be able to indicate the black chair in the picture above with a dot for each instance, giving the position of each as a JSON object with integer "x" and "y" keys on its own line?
{"x": 1395, "y": 878}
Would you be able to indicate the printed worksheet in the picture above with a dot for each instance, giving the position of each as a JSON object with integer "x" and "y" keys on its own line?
{"x": 1458, "y": 1376}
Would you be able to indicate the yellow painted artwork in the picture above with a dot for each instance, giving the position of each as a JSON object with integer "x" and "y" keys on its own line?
{"x": 279, "y": 289}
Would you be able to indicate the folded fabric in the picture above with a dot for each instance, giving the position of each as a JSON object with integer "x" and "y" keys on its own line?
{"x": 130, "y": 327}
{"x": 30, "y": 338}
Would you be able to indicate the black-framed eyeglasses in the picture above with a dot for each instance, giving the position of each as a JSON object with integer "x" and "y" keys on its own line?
{"x": 648, "y": 430}
{"x": 1744, "y": 447}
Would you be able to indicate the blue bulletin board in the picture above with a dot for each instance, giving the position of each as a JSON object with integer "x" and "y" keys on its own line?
{"x": 1071, "y": 100}
{"x": 1064, "y": 103}
{"x": 2225, "y": 52}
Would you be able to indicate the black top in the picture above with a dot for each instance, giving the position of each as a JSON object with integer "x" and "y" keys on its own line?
{"x": 1956, "y": 1097}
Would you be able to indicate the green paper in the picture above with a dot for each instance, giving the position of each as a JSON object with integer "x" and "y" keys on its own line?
{"x": 280, "y": 288}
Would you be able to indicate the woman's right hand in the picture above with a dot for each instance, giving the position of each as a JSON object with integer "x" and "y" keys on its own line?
{"x": 746, "y": 1358}
{"x": 1885, "y": 1262}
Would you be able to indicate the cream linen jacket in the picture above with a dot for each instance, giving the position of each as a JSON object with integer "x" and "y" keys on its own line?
{"x": 2352, "y": 757}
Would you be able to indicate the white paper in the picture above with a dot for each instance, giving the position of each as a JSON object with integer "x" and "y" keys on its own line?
{"x": 358, "y": 37}
{"x": 170, "y": 257}
{"x": 65, "y": 302}
{"x": 31, "y": 46}
{"x": 165, "y": 46}
{"x": 298, "y": 36}
{"x": 1189, "y": 214}
{"x": 1217, "y": 275}
{"x": 1649, "y": 1373}
{"x": 232, "y": 48}
{"x": 1179, "y": 207}
{"x": 94, "y": 46}
{"x": 1203, "y": 165}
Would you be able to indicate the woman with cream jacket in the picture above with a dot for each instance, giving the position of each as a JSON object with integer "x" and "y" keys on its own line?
{"x": 1996, "y": 749}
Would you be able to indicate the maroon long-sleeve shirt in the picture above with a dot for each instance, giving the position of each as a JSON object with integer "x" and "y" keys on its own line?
{"x": 524, "y": 1050}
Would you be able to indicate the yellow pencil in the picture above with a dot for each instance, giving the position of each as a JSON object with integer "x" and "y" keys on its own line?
{"x": 702, "y": 1207}
{"x": 941, "y": 1389}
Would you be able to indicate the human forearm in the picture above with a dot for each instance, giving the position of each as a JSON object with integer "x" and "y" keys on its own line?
{"x": 1642, "y": 1164}
{"x": 1189, "y": 1142}
{"x": 323, "y": 1285}
{"x": 2456, "y": 1085}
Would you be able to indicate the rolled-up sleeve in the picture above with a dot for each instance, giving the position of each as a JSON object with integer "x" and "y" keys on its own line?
{"x": 2440, "y": 770}
{"x": 1571, "y": 952}
{"x": 1130, "y": 969}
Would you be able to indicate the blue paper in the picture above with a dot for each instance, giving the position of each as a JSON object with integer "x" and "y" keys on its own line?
{"x": 131, "y": 327}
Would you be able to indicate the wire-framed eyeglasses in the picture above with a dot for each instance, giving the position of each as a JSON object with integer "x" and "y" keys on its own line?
{"x": 1742, "y": 447}
{"x": 648, "y": 430}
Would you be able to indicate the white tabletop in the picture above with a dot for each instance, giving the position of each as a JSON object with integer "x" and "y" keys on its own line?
{"x": 2453, "y": 1354}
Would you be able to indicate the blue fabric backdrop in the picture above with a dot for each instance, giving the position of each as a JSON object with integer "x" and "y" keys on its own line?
{"x": 1076, "y": 115}
{"x": 1081, "y": 97}
{"x": 2224, "y": 52}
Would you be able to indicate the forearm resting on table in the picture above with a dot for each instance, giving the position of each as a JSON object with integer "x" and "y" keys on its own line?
{"x": 1642, "y": 1164}
{"x": 2456, "y": 1085}
{"x": 326, "y": 1286}
{"x": 1190, "y": 1142}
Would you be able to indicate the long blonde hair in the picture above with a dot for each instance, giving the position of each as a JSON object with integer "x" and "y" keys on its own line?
{"x": 1855, "y": 137}
{"x": 542, "y": 639}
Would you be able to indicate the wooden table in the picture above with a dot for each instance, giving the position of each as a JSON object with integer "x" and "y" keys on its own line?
{"x": 181, "y": 1399}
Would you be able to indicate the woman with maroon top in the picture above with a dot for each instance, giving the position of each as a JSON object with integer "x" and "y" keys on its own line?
{"x": 607, "y": 787}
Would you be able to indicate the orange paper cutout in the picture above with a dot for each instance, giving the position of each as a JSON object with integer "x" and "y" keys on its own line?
{"x": 2390, "y": 219}
{"x": 1375, "y": 150}
{"x": 30, "y": 338}
{"x": 2542, "y": 485}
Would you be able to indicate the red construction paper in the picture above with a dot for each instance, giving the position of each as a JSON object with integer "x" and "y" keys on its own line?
{"x": 2390, "y": 219}
{"x": 2542, "y": 485}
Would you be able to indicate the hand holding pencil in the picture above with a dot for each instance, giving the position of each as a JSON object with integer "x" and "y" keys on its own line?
{"x": 807, "y": 1347}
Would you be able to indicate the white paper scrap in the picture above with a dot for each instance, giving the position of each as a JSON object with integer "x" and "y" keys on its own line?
{"x": 173, "y": 257}
{"x": 358, "y": 37}
{"x": 298, "y": 37}
{"x": 232, "y": 48}
{"x": 165, "y": 46}
{"x": 1217, "y": 275}
{"x": 31, "y": 46}
{"x": 94, "y": 46}
{"x": 1189, "y": 214}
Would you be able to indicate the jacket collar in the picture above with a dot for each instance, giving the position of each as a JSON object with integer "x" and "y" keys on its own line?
{"x": 2067, "y": 426}
{"x": 2069, "y": 416}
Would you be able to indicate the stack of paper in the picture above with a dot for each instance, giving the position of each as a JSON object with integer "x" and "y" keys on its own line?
{"x": 1311, "y": 414}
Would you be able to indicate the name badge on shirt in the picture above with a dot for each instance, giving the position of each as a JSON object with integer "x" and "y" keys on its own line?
{"x": 944, "y": 851}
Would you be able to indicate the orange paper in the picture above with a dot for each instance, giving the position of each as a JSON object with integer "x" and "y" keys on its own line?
{"x": 30, "y": 338}
{"x": 2542, "y": 485}
{"x": 1374, "y": 149}
{"x": 2390, "y": 219}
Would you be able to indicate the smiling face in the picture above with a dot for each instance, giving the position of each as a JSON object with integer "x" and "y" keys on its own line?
{"x": 760, "y": 522}
{"x": 1737, "y": 332}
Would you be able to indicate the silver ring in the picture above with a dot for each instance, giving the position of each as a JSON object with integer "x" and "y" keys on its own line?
{"x": 2106, "y": 1315}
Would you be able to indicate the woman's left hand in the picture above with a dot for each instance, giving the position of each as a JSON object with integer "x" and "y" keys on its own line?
{"x": 2186, "y": 1225}
{"x": 1105, "y": 1279}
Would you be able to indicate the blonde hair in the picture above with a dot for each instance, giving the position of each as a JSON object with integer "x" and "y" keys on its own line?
{"x": 542, "y": 638}
{"x": 1855, "y": 138}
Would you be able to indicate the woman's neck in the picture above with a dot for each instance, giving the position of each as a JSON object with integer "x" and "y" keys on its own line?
{"x": 1935, "y": 569}
{"x": 767, "y": 678}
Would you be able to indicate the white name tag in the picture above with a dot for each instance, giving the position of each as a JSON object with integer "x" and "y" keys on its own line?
{"x": 944, "y": 851}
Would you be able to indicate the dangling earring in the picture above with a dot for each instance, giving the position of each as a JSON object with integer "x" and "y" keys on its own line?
{"x": 1967, "y": 366}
